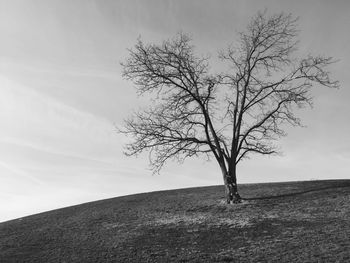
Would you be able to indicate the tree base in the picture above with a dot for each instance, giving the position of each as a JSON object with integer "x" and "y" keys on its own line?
{"x": 235, "y": 199}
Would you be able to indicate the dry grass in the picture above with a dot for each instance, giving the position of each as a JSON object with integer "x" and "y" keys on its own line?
{"x": 281, "y": 222}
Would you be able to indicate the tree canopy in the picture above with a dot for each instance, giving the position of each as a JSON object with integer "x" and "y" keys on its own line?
{"x": 227, "y": 115}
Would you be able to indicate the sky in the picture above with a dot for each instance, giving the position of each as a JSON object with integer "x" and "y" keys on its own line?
{"x": 62, "y": 95}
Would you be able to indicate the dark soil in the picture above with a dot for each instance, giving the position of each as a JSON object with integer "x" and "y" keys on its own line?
{"x": 276, "y": 222}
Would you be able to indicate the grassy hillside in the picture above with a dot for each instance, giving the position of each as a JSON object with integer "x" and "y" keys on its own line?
{"x": 279, "y": 222}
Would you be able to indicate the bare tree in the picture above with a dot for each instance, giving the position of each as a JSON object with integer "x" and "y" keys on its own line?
{"x": 227, "y": 115}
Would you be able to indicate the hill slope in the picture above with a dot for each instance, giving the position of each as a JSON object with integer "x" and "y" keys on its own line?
{"x": 279, "y": 222}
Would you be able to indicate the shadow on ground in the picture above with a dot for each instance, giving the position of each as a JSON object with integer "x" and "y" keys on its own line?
{"x": 340, "y": 185}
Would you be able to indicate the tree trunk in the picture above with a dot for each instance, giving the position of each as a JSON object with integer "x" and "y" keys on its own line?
{"x": 228, "y": 189}
{"x": 236, "y": 198}
{"x": 230, "y": 183}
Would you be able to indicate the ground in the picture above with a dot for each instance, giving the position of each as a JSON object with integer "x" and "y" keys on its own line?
{"x": 276, "y": 222}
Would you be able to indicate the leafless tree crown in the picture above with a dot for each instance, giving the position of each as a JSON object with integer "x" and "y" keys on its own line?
{"x": 226, "y": 115}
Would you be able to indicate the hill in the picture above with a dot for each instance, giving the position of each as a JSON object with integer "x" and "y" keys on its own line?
{"x": 277, "y": 222}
